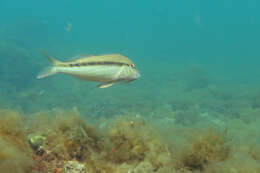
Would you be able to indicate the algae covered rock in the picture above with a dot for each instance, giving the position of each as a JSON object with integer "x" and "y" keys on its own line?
{"x": 36, "y": 141}
{"x": 74, "y": 167}
{"x": 144, "y": 167}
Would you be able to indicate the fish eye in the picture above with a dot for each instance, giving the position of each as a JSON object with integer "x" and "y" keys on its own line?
{"x": 132, "y": 65}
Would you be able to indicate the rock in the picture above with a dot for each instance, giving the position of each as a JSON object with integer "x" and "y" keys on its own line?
{"x": 36, "y": 141}
{"x": 74, "y": 167}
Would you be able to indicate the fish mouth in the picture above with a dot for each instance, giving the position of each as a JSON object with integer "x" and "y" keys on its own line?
{"x": 138, "y": 76}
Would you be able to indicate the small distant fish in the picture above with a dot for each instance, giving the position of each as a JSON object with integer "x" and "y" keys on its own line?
{"x": 68, "y": 26}
{"x": 108, "y": 69}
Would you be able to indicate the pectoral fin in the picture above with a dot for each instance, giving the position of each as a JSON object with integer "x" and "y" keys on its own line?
{"x": 106, "y": 85}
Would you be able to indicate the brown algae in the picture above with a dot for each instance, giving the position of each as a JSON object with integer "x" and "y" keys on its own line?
{"x": 62, "y": 142}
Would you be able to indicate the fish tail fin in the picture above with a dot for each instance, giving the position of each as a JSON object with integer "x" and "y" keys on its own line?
{"x": 49, "y": 70}
{"x": 51, "y": 59}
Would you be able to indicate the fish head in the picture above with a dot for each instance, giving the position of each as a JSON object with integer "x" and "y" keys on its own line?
{"x": 133, "y": 73}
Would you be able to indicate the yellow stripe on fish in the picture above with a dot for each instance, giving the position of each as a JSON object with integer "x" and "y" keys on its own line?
{"x": 109, "y": 69}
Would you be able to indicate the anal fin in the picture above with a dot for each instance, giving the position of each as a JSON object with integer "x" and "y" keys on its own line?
{"x": 106, "y": 85}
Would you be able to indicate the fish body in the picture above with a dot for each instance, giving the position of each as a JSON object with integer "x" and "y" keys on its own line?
{"x": 107, "y": 69}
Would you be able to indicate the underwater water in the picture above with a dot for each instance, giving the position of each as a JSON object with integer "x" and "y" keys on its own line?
{"x": 195, "y": 108}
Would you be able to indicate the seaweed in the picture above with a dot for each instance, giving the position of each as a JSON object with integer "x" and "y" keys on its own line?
{"x": 48, "y": 141}
{"x": 205, "y": 147}
{"x": 239, "y": 162}
{"x": 65, "y": 141}
{"x": 15, "y": 153}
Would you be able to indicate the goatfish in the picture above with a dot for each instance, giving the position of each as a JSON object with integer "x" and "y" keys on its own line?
{"x": 107, "y": 69}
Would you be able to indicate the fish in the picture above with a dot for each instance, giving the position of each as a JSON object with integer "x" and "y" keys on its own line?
{"x": 68, "y": 26}
{"x": 107, "y": 69}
